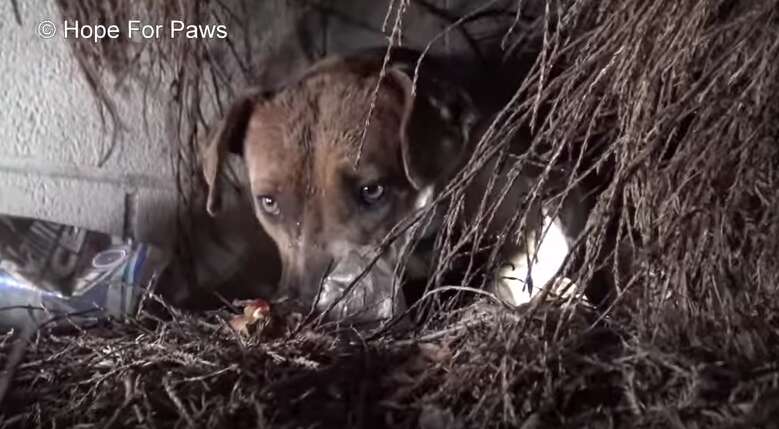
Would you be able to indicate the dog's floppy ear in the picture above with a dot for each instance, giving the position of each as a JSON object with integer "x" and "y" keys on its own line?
{"x": 435, "y": 128}
{"x": 228, "y": 136}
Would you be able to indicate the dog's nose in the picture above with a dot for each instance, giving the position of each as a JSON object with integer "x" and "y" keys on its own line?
{"x": 359, "y": 293}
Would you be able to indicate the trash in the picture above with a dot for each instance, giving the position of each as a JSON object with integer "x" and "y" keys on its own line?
{"x": 256, "y": 316}
{"x": 373, "y": 300}
{"x": 49, "y": 271}
{"x": 527, "y": 273}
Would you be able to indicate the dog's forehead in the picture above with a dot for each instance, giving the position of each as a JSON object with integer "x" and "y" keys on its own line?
{"x": 318, "y": 127}
{"x": 340, "y": 107}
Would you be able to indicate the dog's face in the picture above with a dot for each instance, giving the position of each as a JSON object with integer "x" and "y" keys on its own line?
{"x": 335, "y": 161}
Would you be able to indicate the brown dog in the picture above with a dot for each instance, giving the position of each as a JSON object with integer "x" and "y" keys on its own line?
{"x": 341, "y": 155}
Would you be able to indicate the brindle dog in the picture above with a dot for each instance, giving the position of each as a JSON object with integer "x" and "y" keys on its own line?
{"x": 341, "y": 155}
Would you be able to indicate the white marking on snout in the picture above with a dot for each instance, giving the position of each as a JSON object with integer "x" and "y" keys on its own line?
{"x": 544, "y": 259}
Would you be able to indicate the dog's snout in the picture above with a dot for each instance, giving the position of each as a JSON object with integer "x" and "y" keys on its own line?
{"x": 303, "y": 269}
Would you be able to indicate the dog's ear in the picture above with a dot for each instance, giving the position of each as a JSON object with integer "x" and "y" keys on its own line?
{"x": 435, "y": 128}
{"x": 228, "y": 136}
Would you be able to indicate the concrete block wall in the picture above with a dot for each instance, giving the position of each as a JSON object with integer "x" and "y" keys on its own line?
{"x": 51, "y": 140}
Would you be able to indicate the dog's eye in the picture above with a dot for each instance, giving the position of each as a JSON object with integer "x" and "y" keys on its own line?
{"x": 373, "y": 193}
{"x": 268, "y": 204}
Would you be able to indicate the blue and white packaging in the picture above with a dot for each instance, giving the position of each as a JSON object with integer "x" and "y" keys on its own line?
{"x": 53, "y": 273}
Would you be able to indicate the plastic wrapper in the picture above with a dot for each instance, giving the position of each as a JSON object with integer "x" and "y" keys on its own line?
{"x": 52, "y": 273}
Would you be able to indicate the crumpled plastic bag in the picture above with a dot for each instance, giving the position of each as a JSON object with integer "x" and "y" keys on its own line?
{"x": 49, "y": 271}
{"x": 374, "y": 299}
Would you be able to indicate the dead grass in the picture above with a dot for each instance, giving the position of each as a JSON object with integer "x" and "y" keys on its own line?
{"x": 671, "y": 108}
{"x": 482, "y": 367}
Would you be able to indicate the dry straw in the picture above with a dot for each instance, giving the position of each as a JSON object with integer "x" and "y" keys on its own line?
{"x": 669, "y": 107}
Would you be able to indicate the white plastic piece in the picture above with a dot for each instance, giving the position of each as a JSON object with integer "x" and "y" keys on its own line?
{"x": 550, "y": 253}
